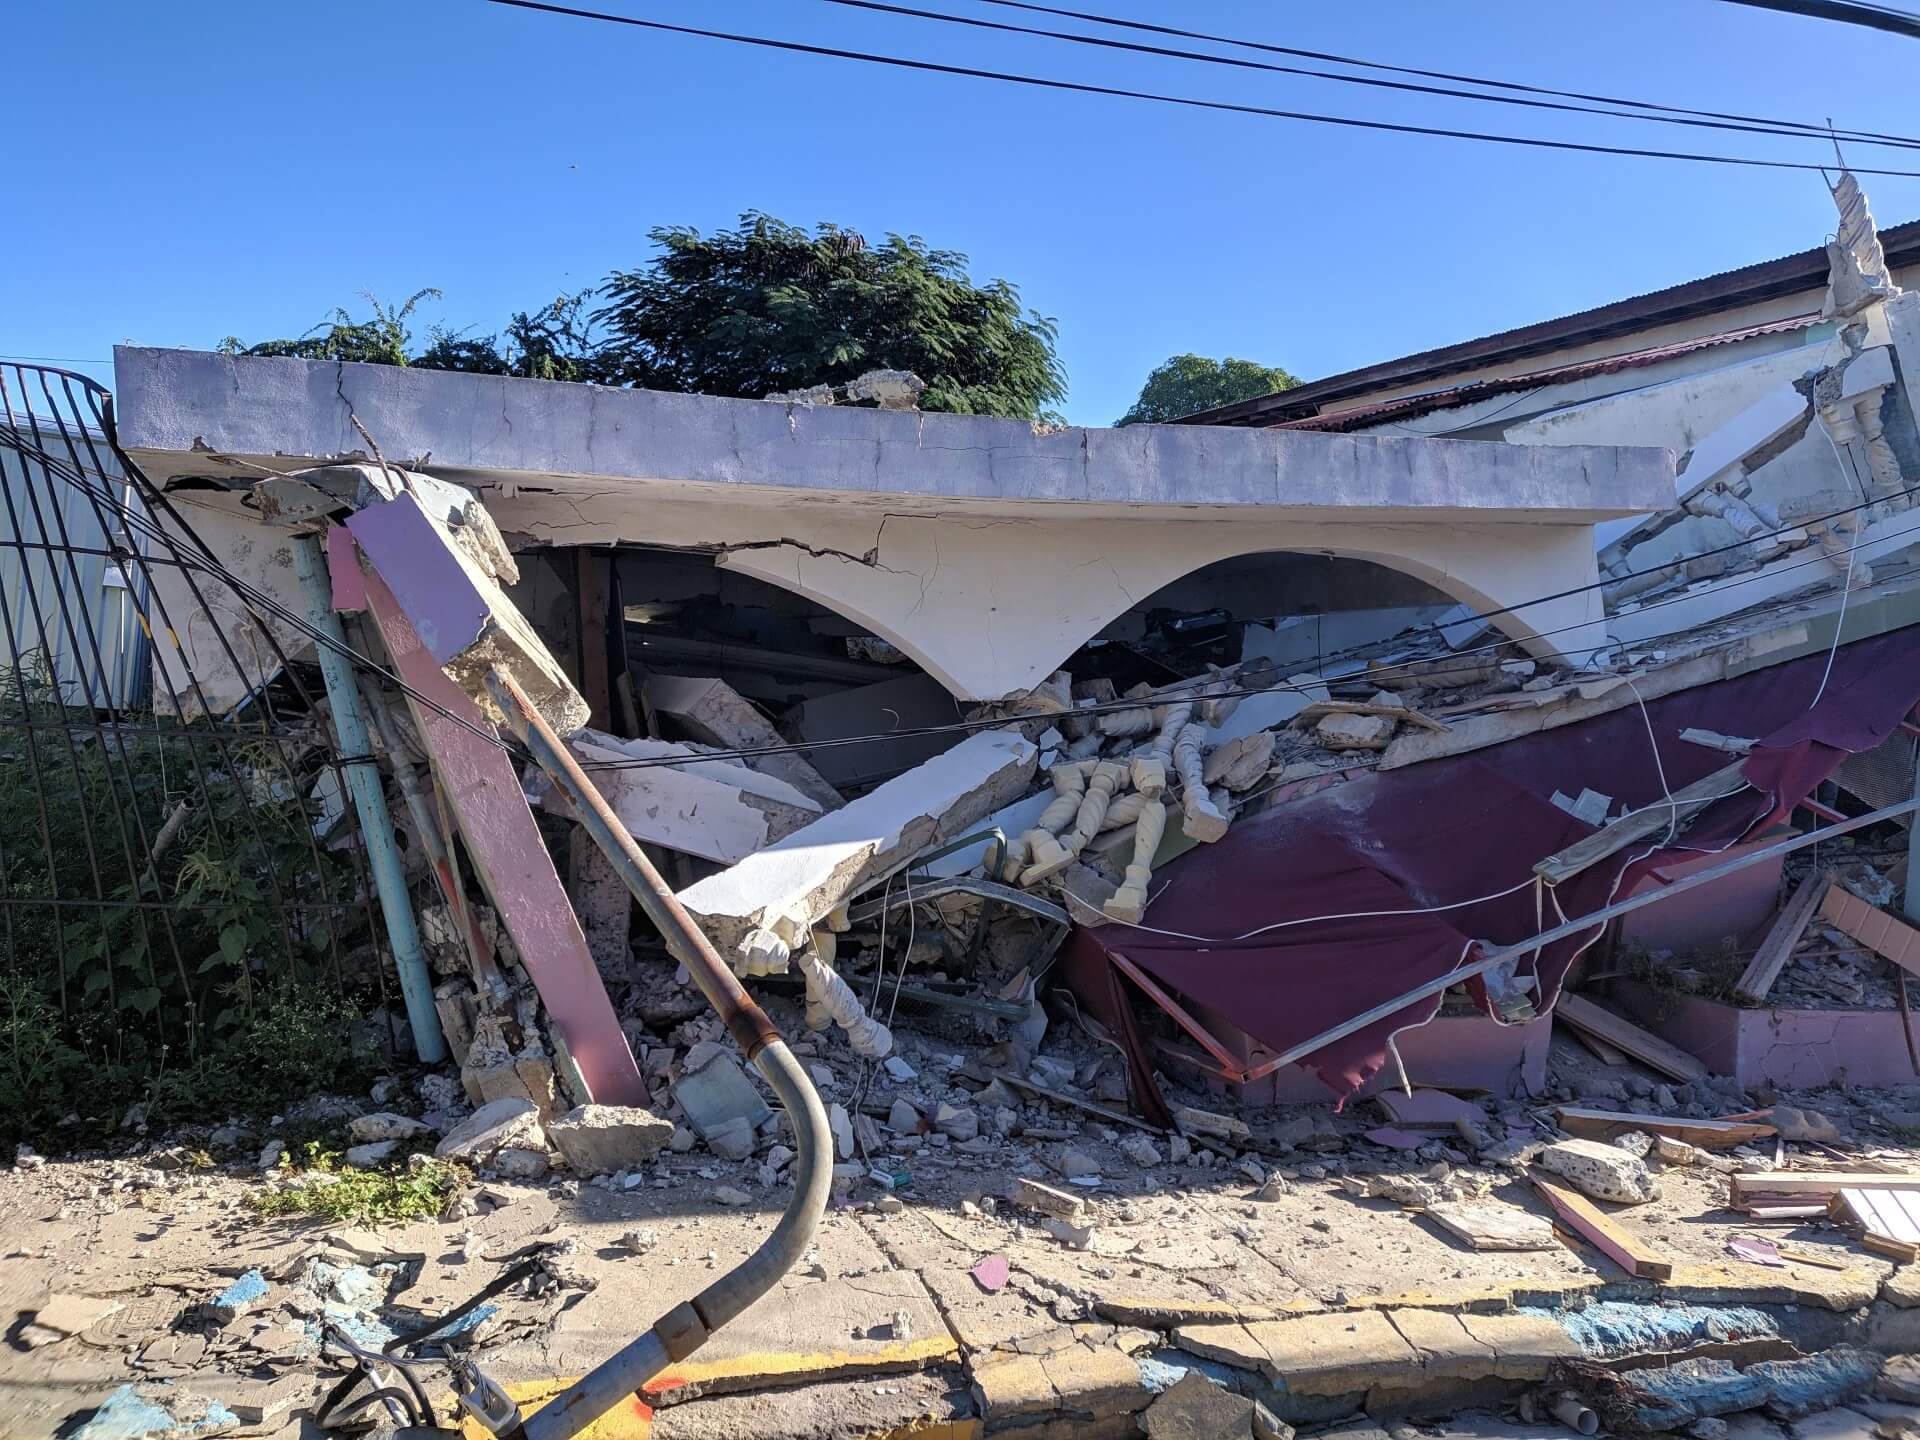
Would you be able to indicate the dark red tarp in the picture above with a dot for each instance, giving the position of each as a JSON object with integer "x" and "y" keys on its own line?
{"x": 1447, "y": 831}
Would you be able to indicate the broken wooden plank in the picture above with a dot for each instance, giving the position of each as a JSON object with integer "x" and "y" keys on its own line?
{"x": 1643, "y": 824}
{"x": 1707, "y": 1134}
{"x": 1320, "y": 709}
{"x": 1887, "y": 1221}
{"x": 1887, "y": 935}
{"x": 1806, "y": 1186}
{"x": 1493, "y": 1225}
{"x": 1643, "y": 1045}
{"x": 1055, "y": 1097}
{"x": 1598, "y": 1228}
{"x": 1603, "y": 1052}
{"x": 1777, "y": 948}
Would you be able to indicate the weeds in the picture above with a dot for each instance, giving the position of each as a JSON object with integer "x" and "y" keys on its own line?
{"x": 396, "y": 1192}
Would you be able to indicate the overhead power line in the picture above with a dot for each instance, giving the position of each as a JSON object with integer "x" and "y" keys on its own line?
{"x": 1821, "y": 130}
{"x": 1796, "y": 132}
{"x": 1189, "y": 102}
{"x": 1847, "y": 12}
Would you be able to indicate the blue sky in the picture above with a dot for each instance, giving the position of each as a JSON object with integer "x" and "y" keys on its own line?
{"x": 216, "y": 167}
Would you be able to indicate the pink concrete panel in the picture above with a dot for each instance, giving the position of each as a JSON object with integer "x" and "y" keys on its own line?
{"x": 1791, "y": 1048}
{"x": 509, "y": 855}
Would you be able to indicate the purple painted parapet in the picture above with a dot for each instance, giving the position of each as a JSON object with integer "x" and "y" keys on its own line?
{"x": 1791, "y": 1048}
{"x": 504, "y": 842}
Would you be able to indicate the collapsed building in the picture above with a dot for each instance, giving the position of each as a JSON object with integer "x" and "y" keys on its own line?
{"x": 1290, "y": 690}
{"x": 1340, "y": 743}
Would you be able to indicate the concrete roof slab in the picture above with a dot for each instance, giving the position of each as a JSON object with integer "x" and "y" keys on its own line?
{"x": 175, "y": 406}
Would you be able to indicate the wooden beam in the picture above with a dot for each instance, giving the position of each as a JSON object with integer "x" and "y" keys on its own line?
{"x": 1643, "y": 824}
{"x": 1777, "y": 948}
{"x": 1811, "y": 1185}
{"x": 595, "y": 677}
{"x": 1707, "y": 1134}
{"x": 1594, "y": 1225}
{"x": 1621, "y": 1033}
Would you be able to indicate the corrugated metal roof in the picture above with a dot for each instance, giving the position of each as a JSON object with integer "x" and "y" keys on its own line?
{"x": 1410, "y": 405}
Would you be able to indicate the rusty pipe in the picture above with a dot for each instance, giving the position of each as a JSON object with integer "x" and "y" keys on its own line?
{"x": 686, "y": 1327}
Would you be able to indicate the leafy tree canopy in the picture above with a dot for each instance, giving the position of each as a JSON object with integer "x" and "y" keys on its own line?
{"x": 747, "y": 312}
{"x": 1189, "y": 383}
{"x": 770, "y": 307}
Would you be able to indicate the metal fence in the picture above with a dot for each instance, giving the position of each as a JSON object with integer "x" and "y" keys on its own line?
{"x": 166, "y": 866}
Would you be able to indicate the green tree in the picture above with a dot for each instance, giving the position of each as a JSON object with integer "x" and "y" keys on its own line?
{"x": 770, "y": 307}
{"x": 1186, "y": 384}
{"x": 380, "y": 339}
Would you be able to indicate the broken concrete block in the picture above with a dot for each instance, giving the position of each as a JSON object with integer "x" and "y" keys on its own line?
{"x": 1031, "y": 1195}
{"x": 1072, "y": 1164}
{"x": 842, "y": 1126}
{"x": 238, "y": 1298}
{"x": 1141, "y": 1150}
{"x": 1194, "y": 1408}
{"x": 460, "y": 612}
{"x": 152, "y": 1411}
{"x": 714, "y": 712}
{"x": 735, "y": 1140}
{"x": 515, "y": 1163}
{"x": 65, "y": 1315}
{"x": 600, "y": 1139}
{"x": 793, "y": 884}
{"x": 501, "y": 1123}
{"x": 1606, "y": 1172}
{"x": 1342, "y": 731}
{"x": 731, "y": 1195}
{"x": 903, "y": 1119}
{"x": 362, "y": 1156}
{"x": 1239, "y": 764}
{"x": 956, "y": 1123}
{"x": 384, "y": 1126}
{"x": 717, "y": 1093}
{"x": 711, "y": 809}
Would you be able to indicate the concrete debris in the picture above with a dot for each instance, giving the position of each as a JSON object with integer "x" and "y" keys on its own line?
{"x": 784, "y": 890}
{"x": 1343, "y": 731}
{"x": 367, "y": 1156}
{"x": 735, "y": 1140}
{"x": 1804, "y": 1127}
{"x": 903, "y": 1119}
{"x": 842, "y": 1126}
{"x": 1194, "y": 1408}
{"x": 1031, "y": 1195}
{"x": 1603, "y": 1171}
{"x": 384, "y": 1126}
{"x": 718, "y": 1094}
{"x": 955, "y": 1123}
{"x": 514, "y": 1162}
{"x": 601, "y": 1139}
{"x": 1141, "y": 1150}
{"x": 153, "y": 1411}
{"x": 64, "y": 1316}
{"x": 1073, "y": 1164}
{"x": 639, "y": 1240}
{"x": 494, "y": 1126}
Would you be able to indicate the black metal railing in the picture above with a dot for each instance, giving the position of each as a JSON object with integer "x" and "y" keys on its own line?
{"x": 175, "y": 862}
